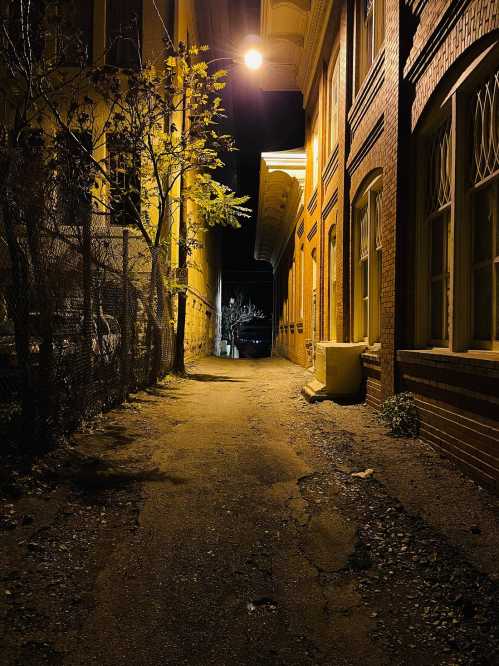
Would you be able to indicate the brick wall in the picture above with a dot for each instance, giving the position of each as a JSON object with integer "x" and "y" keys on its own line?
{"x": 426, "y": 41}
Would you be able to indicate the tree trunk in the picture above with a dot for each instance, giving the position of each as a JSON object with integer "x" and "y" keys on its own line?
{"x": 179, "y": 364}
{"x": 125, "y": 342}
{"x": 47, "y": 399}
{"x": 86, "y": 379}
{"x": 157, "y": 341}
{"x": 150, "y": 317}
{"x": 232, "y": 344}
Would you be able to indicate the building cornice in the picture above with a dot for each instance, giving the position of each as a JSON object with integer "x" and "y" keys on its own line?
{"x": 314, "y": 38}
{"x": 282, "y": 177}
{"x": 293, "y": 32}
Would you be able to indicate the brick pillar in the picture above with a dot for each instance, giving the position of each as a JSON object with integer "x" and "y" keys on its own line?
{"x": 321, "y": 284}
{"x": 394, "y": 191}
{"x": 343, "y": 225}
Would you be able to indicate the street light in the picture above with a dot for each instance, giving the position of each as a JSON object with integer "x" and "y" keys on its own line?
{"x": 253, "y": 59}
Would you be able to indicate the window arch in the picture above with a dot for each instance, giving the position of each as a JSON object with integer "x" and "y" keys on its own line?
{"x": 367, "y": 260}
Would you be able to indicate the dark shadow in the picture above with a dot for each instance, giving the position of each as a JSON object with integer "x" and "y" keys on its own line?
{"x": 197, "y": 377}
{"x": 354, "y": 399}
{"x": 159, "y": 392}
{"x": 89, "y": 480}
{"x": 117, "y": 436}
{"x": 140, "y": 401}
{"x": 92, "y": 475}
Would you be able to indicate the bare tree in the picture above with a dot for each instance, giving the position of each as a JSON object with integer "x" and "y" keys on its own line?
{"x": 236, "y": 313}
{"x": 162, "y": 122}
{"x": 84, "y": 146}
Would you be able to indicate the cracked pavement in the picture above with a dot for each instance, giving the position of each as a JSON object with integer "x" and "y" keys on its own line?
{"x": 255, "y": 545}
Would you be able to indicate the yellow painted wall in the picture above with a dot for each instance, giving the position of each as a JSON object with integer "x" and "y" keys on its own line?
{"x": 203, "y": 319}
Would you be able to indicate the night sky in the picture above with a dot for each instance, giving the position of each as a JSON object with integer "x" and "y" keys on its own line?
{"x": 260, "y": 122}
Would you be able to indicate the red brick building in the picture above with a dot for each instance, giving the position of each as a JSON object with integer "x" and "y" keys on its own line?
{"x": 391, "y": 236}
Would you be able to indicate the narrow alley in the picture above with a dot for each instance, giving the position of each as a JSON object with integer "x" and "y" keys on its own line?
{"x": 252, "y": 541}
{"x": 249, "y": 333}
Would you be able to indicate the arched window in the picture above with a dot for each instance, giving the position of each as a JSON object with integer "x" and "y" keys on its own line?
{"x": 314, "y": 296}
{"x": 457, "y": 248}
{"x": 438, "y": 203}
{"x": 302, "y": 282}
{"x": 484, "y": 193}
{"x": 367, "y": 218}
{"x": 332, "y": 283}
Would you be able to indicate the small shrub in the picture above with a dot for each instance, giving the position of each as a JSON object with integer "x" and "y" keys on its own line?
{"x": 399, "y": 413}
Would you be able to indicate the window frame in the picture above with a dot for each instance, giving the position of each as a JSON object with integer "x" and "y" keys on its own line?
{"x": 365, "y": 265}
{"x": 314, "y": 284}
{"x": 314, "y": 154}
{"x": 333, "y": 115}
{"x": 79, "y": 201}
{"x": 332, "y": 281}
{"x": 119, "y": 217}
{"x": 87, "y": 37}
{"x": 113, "y": 57}
{"x": 490, "y": 184}
{"x": 458, "y": 106}
{"x": 302, "y": 281}
{"x": 366, "y": 50}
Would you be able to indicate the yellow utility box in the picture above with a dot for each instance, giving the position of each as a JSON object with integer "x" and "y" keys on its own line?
{"x": 337, "y": 372}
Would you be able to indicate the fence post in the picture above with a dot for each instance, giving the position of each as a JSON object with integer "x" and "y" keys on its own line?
{"x": 87, "y": 312}
{"x": 124, "y": 373}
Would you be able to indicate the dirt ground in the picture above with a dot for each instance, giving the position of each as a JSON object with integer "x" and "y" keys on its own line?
{"x": 215, "y": 520}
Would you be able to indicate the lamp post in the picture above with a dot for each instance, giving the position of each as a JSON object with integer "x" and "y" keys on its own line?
{"x": 252, "y": 59}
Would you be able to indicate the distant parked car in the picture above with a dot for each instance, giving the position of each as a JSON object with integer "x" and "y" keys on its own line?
{"x": 68, "y": 338}
{"x": 106, "y": 337}
{"x": 63, "y": 326}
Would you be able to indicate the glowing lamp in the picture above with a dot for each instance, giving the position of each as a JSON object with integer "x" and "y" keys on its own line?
{"x": 253, "y": 59}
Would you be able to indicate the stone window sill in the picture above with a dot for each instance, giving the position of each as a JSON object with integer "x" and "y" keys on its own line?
{"x": 478, "y": 360}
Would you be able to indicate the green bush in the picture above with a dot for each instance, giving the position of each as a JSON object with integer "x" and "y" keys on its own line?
{"x": 399, "y": 413}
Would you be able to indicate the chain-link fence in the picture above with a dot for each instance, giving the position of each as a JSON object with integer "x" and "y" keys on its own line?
{"x": 84, "y": 319}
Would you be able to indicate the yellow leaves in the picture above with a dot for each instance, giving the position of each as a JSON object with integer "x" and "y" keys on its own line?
{"x": 171, "y": 62}
{"x": 200, "y": 69}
